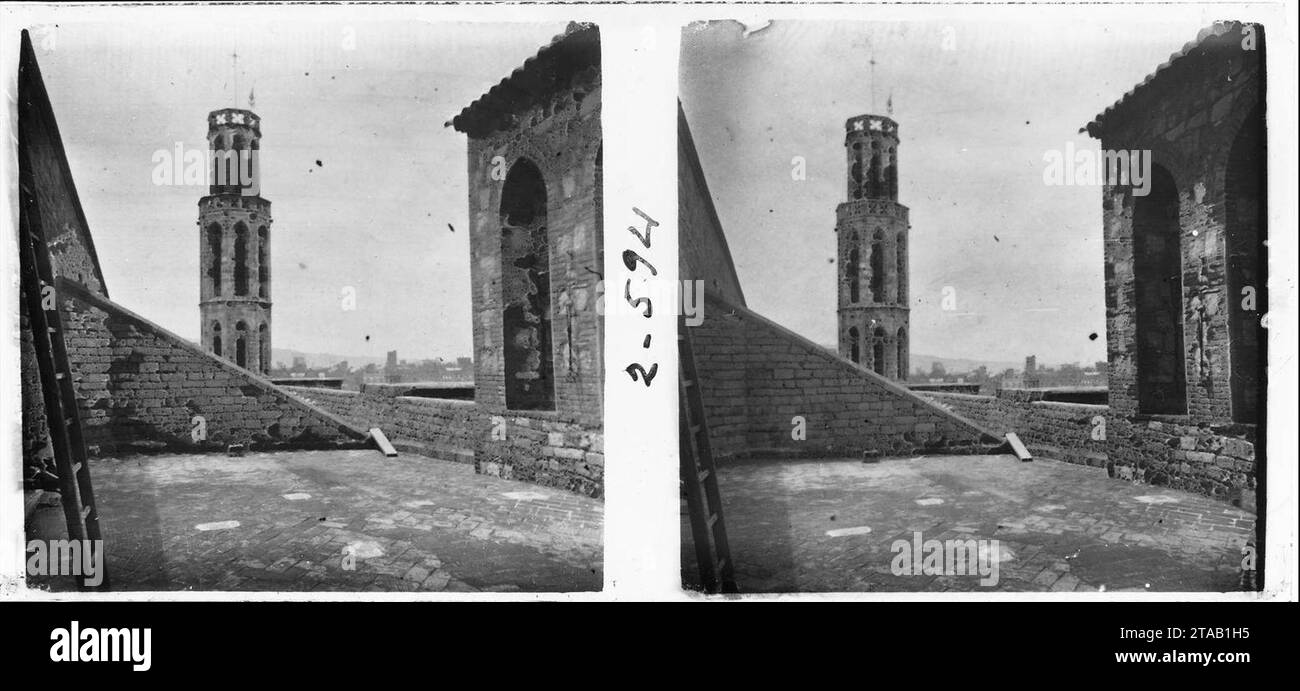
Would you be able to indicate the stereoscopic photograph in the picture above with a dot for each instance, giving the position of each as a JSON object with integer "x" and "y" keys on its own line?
{"x": 983, "y": 305}
{"x": 309, "y": 302}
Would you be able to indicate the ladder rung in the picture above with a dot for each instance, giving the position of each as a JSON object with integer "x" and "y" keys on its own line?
{"x": 695, "y": 429}
{"x": 51, "y": 329}
{"x": 58, "y": 375}
{"x": 688, "y": 382}
{"x": 713, "y": 518}
{"x": 85, "y": 511}
{"x": 704, "y": 475}
{"x": 76, "y": 468}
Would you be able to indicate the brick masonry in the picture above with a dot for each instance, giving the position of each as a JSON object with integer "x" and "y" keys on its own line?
{"x": 141, "y": 387}
{"x": 1063, "y": 431}
{"x": 534, "y": 447}
{"x": 756, "y": 377}
{"x": 536, "y": 248}
{"x": 1214, "y": 460}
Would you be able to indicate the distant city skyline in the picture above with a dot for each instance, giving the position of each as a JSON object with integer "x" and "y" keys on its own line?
{"x": 367, "y": 186}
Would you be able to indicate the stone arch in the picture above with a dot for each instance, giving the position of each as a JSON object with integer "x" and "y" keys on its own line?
{"x": 241, "y": 259}
{"x": 526, "y": 289}
{"x": 241, "y": 344}
{"x": 263, "y": 349}
{"x": 1157, "y": 295}
{"x": 855, "y": 345}
{"x": 877, "y": 266}
{"x": 214, "y": 239}
{"x": 1245, "y": 194}
{"x": 901, "y": 344}
{"x": 878, "y": 351}
{"x": 263, "y": 263}
{"x": 900, "y": 268}
{"x": 853, "y": 270}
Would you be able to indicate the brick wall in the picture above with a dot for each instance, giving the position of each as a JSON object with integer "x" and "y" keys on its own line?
{"x": 1062, "y": 431}
{"x": 140, "y": 386}
{"x": 537, "y": 447}
{"x": 704, "y": 255}
{"x": 757, "y": 376}
{"x": 441, "y": 428}
{"x": 1214, "y": 460}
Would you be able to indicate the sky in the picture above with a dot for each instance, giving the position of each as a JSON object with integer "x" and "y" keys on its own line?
{"x": 978, "y": 105}
{"x": 366, "y": 99}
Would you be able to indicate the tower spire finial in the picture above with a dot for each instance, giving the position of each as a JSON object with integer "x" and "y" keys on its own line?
{"x": 872, "y": 62}
{"x": 234, "y": 73}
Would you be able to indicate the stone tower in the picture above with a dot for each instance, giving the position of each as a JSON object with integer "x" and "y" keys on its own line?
{"x": 872, "y": 251}
{"x": 235, "y": 245}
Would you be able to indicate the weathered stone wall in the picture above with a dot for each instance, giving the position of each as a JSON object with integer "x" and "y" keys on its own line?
{"x": 1201, "y": 117}
{"x": 756, "y": 377}
{"x": 1189, "y": 118}
{"x": 531, "y": 446}
{"x": 561, "y": 137}
{"x": 443, "y": 429}
{"x": 1062, "y": 431}
{"x": 702, "y": 245}
{"x": 140, "y": 386}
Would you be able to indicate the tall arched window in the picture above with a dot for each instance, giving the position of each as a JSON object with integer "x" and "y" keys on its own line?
{"x": 1245, "y": 228}
{"x": 878, "y": 266}
{"x": 891, "y": 175}
{"x": 241, "y": 259}
{"x": 855, "y": 171}
{"x": 263, "y": 349}
{"x": 216, "y": 338}
{"x": 901, "y": 344}
{"x": 526, "y": 290}
{"x": 878, "y": 351}
{"x": 263, "y": 264}
{"x": 900, "y": 268}
{"x": 1158, "y": 294}
{"x": 241, "y": 344}
{"x": 853, "y": 271}
{"x": 214, "y": 257}
{"x": 855, "y": 345}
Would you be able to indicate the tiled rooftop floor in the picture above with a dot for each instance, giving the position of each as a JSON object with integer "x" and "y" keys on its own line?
{"x": 1060, "y": 527}
{"x": 412, "y": 524}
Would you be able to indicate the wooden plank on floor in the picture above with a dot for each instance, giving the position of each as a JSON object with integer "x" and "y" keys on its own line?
{"x": 382, "y": 441}
{"x": 1018, "y": 447}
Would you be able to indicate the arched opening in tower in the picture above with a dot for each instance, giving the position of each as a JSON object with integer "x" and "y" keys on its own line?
{"x": 878, "y": 351}
{"x": 853, "y": 271}
{"x": 1246, "y": 227}
{"x": 263, "y": 264}
{"x": 902, "y": 353}
{"x": 241, "y": 344}
{"x": 855, "y": 170}
{"x": 214, "y": 257}
{"x": 241, "y": 259}
{"x": 216, "y": 338}
{"x": 855, "y": 345}
{"x": 1158, "y": 298}
{"x": 900, "y": 266}
{"x": 878, "y": 267}
{"x": 526, "y": 290}
{"x": 873, "y": 173}
{"x": 891, "y": 175}
{"x": 263, "y": 349}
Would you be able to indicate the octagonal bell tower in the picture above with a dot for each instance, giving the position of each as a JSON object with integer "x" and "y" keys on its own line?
{"x": 872, "y": 251}
{"x": 235, "y": 245}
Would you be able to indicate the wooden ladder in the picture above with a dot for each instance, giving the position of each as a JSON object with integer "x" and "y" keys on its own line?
{"x": 699, "y": 476}
{"x": 57, "y": 390}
